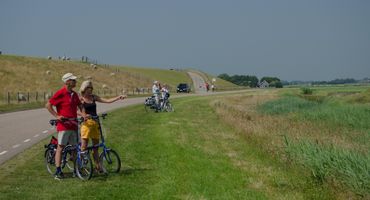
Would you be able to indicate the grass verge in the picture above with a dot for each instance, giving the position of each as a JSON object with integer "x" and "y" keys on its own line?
{"x": 188, "y": 154}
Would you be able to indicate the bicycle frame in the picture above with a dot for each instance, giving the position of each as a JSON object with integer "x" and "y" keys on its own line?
{"x": 102, "y": 143}
{"x": 108, "y": 154}
{"x": 80, "y": 160}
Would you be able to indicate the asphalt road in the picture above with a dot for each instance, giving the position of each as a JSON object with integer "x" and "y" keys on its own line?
{"x": 198, "y": 83}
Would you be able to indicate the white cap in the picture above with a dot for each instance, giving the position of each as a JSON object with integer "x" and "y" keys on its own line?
{"x": 155, "y": 82}
{"x": 68, "y": 76}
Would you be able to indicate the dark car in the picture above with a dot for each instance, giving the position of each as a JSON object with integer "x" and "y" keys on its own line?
{"x": 183, "y": 87}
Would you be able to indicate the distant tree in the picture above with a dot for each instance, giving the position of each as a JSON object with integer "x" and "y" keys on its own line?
{"x": 224, "y": 76}
{"x": 273, "y": 81}
{"x": 342, "y": 81}
{"x": 270, "y": 79}
{"x": 242, "y": 80}
{"x": 279, "y": 84}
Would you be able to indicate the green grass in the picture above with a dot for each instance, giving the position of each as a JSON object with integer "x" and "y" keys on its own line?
{"x": 329, "y": 162}
{"x": 348, "y": 164}
{"x": 188, "y": 154}
{"x": 165, "y": 76}
{"x": 355, "y": 116}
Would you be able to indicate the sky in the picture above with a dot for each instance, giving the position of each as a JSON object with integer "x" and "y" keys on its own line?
{"x": 318, "y": 40}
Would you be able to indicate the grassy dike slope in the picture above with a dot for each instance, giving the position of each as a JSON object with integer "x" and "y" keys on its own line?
{"x": 188, "y": 154}
{"x": 19, "y": 73}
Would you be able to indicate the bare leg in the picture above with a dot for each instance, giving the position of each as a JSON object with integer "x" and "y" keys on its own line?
{"x": 84, "y": 143}
{"x": 96, "y": 154}
{"x": 58, "y": 155}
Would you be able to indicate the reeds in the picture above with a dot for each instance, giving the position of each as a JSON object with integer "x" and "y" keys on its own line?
{"x": 329, "y": 162}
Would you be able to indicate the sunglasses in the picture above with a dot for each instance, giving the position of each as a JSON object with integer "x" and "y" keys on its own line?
{"x": 89, "y": 87}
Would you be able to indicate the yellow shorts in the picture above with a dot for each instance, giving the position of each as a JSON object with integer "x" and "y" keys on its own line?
{"x": 90, "y": 129}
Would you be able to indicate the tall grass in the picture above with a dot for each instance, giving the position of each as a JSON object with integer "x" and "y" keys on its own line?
{"x": 336, "y": 113}
{"x": 329, "y": 162}
{"x": 326, "y": 161}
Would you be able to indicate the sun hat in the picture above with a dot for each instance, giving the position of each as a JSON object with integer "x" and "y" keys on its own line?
{"x": 68, "y": 76}
{"x": 155, "y": 82}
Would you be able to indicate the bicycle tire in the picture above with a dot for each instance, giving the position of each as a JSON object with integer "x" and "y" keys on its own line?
{"x": 50, "y": 161}
{"x": 146, "y": 108}
{"x": 110, "y": 161}
{"x": 169, "y": 108}
{"x": 67, "y": 159}
{"x": 84, "y": 166}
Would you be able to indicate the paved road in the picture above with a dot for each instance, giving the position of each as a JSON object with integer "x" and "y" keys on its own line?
{"x": 198, "y": 82}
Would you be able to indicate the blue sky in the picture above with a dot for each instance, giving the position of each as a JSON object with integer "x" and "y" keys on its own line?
{"x": 289, "y": 39}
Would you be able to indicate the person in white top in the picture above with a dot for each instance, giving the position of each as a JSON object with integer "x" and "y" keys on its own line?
{"x": 156, "y": 90}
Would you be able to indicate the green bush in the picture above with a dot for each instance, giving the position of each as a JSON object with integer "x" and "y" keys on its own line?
{"x": 306, "y": 91}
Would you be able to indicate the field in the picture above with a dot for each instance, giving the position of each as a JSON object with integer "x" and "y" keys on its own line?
{"x": 261, "y": 144}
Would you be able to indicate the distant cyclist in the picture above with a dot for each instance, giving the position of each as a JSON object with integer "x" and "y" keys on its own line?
{"x": 90, "y": 128}
{"x": 66, "y": 102}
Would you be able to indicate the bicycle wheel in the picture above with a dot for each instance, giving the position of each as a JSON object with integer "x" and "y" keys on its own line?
{"x": 169, "y": 107}
{"x": 146, "y": 108}
{"x": 110, "y": 161}
{"x": 50, "y": 161}
{"x": 68, "y": 159}
{"x": 84, "y": 166}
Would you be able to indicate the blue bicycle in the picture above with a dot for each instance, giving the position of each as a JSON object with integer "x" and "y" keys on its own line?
{"x": 109, "y": 159}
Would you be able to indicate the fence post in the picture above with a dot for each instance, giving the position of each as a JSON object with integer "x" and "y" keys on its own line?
{"x": 8, "y": 96}
{"x": 28, "y": 97}
{"x": 37, "y": 95}
{"x": 18, "y": 97}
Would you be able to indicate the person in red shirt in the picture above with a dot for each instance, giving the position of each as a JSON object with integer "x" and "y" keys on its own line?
{"x": 66, "y": 102}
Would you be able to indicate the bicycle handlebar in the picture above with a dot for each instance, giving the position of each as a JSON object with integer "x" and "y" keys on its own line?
{"x": 54, "y": 122}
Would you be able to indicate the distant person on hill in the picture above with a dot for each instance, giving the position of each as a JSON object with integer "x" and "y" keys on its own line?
{"x": 66, "y": 102}
{"x": 156, "y": 90}
{"x": 213, "y": 87}
{"x": 90, "y": 128}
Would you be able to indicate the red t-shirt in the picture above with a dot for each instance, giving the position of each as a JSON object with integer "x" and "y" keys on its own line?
{"x": 66, "y": 103}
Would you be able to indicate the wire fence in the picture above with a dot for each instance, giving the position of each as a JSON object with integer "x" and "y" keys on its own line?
{"x": 37, "y": 96}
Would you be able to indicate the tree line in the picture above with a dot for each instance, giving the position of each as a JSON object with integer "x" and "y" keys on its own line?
{"x": 251, "y": 81}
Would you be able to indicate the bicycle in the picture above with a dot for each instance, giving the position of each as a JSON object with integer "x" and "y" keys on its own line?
{"x": 67, "y": 158}
{"x": 150, "y": 104}
{"x": 82, "y": 165}
{"x": 108, "y": 158}
{"x": 164, "y": 104}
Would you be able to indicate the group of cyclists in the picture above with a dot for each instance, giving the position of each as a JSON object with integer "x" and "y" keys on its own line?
{"x": 160, "y": 93}
{"x": 69, "y": 104}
